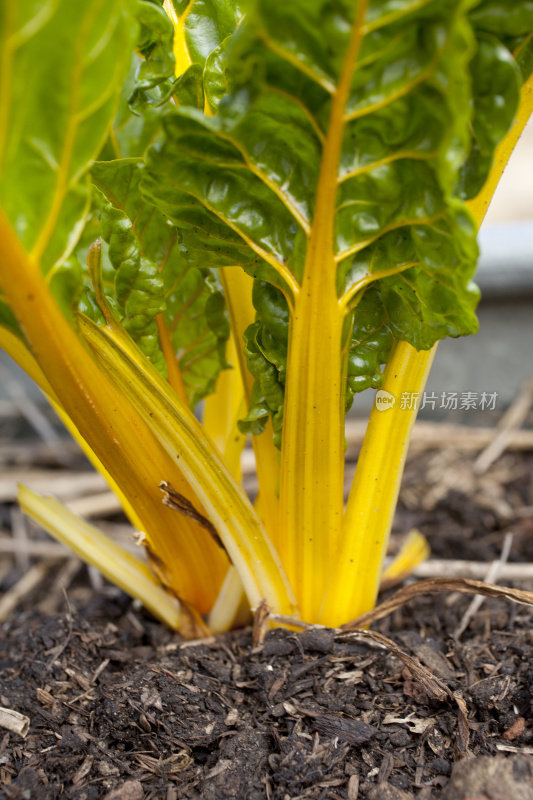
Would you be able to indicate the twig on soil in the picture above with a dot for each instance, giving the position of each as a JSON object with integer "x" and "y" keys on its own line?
{"x": 477, "y": 570}
{"x": 432, "y": 586}
{"x": 14, "y": 721}
{"x": 434, "y": 686}
{"x": 511, "y": 421}
{"x": 29, "y": 581}
{"x": 492, "y": 575}
{"x": 19, "y": 532}
{"x": 508, "y": 748}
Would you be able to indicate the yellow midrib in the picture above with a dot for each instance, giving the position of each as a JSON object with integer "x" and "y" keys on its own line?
{"x": 312, "y": 451}
{"x": 321, "y": 238}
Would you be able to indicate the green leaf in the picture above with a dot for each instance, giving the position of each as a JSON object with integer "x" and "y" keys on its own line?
{"x": 155, "y": 72}
{"x": 153, "y": 278}
{"x": 502, "y": 28}
{"x": 267, "y": 395}
{"x": 207, "y": 23}
{"x": 370, "y": 346}
{"x": 522, "y": 49}
{"x": 503, "y": 17}
{"x": 132, "y": 132}
{"x": 248, "y": 177}
{"x": 62, "y": 68}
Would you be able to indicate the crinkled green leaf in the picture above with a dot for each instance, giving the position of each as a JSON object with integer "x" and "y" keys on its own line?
{"x": 62, "y": 68}
{"x": 152, "y": 277}
{"x": 155, "y": 72}
{"x": 522, "y": 49}
{"x": 370, "y": 345}
{"x": 502, "y": 28}
{"x": 247, "y": 178}
{"x": 503, "y": 17}
{"x": 496, "y": 78}
{"x": 207, "y": 23}
{"x": 267, "y": 395}
{"x": 132, "y": 132}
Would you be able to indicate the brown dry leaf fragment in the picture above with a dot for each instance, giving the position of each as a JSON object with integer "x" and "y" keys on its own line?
{"x": 130, "y": 790}
{"x": 165, "y": 766}
{"x": 517, "y": 729}
{"x": 44, "y": 697}
{"x": 353, "y": 787}
{"x": 346, "y": 729}
{"x": 260, "y": 626}
{"x": 83, "y": 770}
{"x": 463, "y": 728}
{"x": 432, "y": 586}
{"x": 178, "y": 502}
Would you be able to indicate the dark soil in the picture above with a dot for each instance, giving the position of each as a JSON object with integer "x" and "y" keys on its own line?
{"x": 122, "y": 709}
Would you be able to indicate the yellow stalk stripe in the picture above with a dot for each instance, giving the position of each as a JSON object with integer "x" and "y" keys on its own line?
{"x": 371, "y": 505}
{"x": 237, "y": 286}
{"x": 227, "y": 605}
{"x": 113, "y": 561}
{"x": 414, "y": 550}
{"x": 181, "y": 51}
{"x": 222, "y": 409}
{"x": 182, "y": 436}
{"x": 312, "y": 458}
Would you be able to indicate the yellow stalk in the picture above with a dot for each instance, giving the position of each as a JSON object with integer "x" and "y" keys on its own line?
{"x": 352, "y": 589}
{"x": 181, "y": 51}
{"x": 182, "y": 436}
{"x": 414, "y": 550}
{"x": 237, "y": 286}
{"x": 113, "y": 561}
{"x": 372, "y": 502}
{"x": 312, "y": 458}
{"x": 18, "y": 351}
{"x": 174, "y": 376}
{"x": 222, "y": 409}
{"x": 115, "y": 431}
{"x": 227, "y": 605}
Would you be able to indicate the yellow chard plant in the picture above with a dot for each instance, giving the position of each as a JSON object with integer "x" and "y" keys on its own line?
{"x": 259, "y": 209}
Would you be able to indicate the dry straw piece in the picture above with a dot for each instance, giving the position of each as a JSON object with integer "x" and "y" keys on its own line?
{"x": 14, "y": 721}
